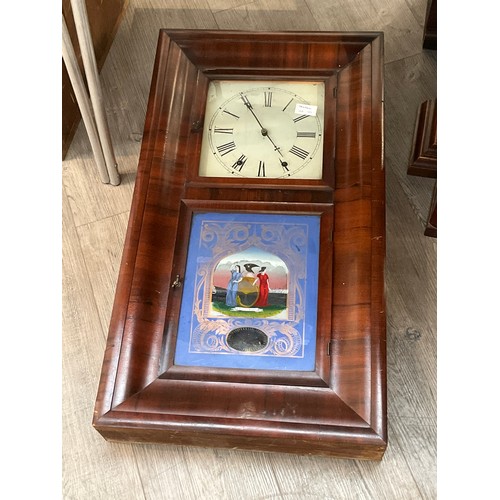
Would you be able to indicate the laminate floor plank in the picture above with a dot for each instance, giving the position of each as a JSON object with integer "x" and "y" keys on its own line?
{"x": 411, "y": 310}
{"x": 91, "y": 467}
{"x": 408, "y": 83}
{"x": 268, "y": 15}
{"x": 401, "y": 22}
{"x": 91, "y": 200}
{"x": 417, "y": 438}
{"x": 102, "y": 246}
{"x": 174, "y": 472}
{"x": 314, "y": 477}
{"x": 411, "y": 262}
{"x": 95, "y": 217}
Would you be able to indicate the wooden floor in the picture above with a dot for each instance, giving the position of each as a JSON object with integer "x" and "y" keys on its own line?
{"x": 94, "y": 223}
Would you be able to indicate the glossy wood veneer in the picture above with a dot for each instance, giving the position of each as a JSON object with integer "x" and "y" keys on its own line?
{"x": 339, "y": 409}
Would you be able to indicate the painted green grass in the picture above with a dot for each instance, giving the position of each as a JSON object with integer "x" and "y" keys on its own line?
{"x": 265, "y": 313}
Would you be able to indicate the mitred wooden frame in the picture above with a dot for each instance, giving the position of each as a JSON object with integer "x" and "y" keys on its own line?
{"x": 423, "y": 157}
{"x": 340, "y": 408}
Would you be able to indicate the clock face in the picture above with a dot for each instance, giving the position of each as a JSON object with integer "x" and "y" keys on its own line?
{"x": 263, "y": 129}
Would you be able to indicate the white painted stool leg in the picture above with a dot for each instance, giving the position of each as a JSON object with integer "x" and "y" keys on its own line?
{"x": 82, "y": 98}
{"x": 92, "y": 74}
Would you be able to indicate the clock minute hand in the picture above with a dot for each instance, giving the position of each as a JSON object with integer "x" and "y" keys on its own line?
{"x": 263, "y": 130}
{"x": 248, "y": 104}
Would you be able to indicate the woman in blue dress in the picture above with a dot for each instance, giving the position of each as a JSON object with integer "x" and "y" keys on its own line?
{"x": 232, "y": 286}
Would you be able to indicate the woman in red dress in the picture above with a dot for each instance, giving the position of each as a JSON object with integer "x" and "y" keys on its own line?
{"x": 263, "y": 288}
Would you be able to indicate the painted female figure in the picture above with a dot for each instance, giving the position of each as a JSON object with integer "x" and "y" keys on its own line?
{"x": 232, "y": 286}
{"x": 263, "y": 278}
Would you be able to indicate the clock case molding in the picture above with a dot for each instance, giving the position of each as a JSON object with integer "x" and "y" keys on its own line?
{"x": 339, "y": 409}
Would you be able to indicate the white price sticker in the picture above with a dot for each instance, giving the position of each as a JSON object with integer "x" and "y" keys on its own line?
{"x": 306, "y": 109}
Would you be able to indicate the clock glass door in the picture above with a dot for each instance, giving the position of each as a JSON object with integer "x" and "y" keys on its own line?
{"x": 250, "y": 292}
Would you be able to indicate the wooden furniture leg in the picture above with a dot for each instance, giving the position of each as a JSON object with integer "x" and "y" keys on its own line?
{"x": 84, "y": 104}
{"x": 92, "y": 74}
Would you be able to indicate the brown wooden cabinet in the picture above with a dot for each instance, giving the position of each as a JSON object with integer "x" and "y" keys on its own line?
{"x": 423, "y": 157}
{"x": 338, "y": 406}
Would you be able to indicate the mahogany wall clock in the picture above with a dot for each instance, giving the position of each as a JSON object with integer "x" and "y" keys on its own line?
{"x": 249, "y": 309}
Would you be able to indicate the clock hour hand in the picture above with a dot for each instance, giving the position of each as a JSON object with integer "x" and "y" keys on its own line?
{"x": 263, "y": 130}
{"x": 276, "y": 148}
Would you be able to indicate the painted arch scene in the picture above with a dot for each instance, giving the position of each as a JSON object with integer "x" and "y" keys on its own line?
{"x": 250, "y": 283}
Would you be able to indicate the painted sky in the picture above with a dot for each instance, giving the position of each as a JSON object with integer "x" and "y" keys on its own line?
{"x": 275, "y": 267}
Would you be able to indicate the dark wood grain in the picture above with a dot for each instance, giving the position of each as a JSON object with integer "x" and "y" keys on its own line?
{"x": 431, "y": 228}
{"x": 423, "y": 158}
{"x": 430, "y": 29}
{"x": 339, "y": 409}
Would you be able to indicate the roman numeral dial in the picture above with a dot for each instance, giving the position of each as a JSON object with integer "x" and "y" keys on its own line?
{"x": 227, "y": 148}
{"x": 301, "y": 153}
{"x": 263, "y": 130}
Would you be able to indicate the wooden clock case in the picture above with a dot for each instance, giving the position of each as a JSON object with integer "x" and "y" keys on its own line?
{"x": 339, "y": 409}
